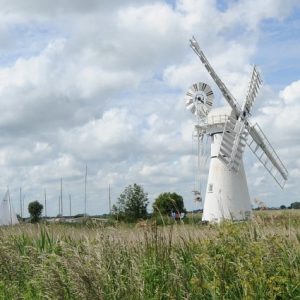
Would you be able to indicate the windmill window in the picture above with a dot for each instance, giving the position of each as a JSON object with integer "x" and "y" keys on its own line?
{"x": 210, "y": 188}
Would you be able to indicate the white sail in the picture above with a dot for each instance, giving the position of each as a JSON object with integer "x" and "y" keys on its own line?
{"x": 7, "y": 214}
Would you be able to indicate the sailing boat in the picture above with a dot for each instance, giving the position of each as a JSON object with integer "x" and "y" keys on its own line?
{"x": 7, "y": 214}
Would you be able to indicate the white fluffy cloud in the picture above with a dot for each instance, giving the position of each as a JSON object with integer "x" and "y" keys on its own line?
{"x": 101, "y": 83}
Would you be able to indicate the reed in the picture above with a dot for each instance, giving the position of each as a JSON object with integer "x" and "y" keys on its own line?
{"x": 255, "y": 260}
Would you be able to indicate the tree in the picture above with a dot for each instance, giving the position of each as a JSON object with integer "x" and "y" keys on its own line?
{"x": 166, "y": 203}
{"x": 295, "y": 205}
{"x": 132, "y": 204}
{"x": 35, "y": 209}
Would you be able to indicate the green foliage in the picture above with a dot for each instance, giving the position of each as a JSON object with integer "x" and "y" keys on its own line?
{"x": 295, "y": 205}
{"x": 166, "y": 203}
{"x": 35, "y": 209}
{"x": 132, "y": 204}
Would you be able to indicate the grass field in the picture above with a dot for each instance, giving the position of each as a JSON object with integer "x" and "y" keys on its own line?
{"x": 255, "y": 260}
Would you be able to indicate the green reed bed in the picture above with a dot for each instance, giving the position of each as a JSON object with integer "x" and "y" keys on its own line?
{"x": 256, "y": 260}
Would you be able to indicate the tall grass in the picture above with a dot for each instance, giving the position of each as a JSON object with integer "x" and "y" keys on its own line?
{"x": 257, "y": 260}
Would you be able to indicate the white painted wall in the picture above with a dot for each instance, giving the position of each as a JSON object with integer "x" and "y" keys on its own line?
{"x": 227, "y": 195}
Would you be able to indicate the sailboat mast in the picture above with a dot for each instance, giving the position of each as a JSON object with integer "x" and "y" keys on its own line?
{"x": 21, "y": 207}
{"x": 59, "y": 206}
{"x": 61, "y": 197}
{"x": 109, "y": 199}
{"x": 85, "y": 190}
{"x": 9, "y": 208}
{"x": 45, "y": 203}
{"x": 70, "y": 203}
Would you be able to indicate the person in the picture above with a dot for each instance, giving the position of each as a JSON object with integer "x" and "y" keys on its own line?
{"x": 173, "y": 215}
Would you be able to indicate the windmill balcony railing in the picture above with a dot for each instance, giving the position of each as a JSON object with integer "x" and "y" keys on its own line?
{"x": 211, "y": 124}
{"x": 217, "y": 119}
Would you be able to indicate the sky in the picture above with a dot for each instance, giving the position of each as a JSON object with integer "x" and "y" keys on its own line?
{"x": 102, "y": 84}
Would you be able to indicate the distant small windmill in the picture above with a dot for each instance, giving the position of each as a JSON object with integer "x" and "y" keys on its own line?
{"x": 227, "y": 195}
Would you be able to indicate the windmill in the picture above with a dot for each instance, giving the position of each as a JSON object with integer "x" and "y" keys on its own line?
{"x": 230, "y": 130}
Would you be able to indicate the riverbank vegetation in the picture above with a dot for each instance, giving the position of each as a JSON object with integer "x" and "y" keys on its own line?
{"x": 255, "y": 260}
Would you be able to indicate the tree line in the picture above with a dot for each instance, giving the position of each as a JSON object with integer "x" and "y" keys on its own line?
{"x": 133, "y": 202}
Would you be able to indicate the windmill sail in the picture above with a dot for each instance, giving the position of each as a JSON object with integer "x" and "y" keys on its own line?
{"x": 7, "y": 214}
{"x": 234, "y": 134}
{"x": 254, "y": 86}
{"x": 265, "y": 153}
{"x": 233, "y": 143}
{"x": 226, "y": 93}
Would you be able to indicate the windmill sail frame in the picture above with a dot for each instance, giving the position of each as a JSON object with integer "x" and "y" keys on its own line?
{"x": 265, "y": 153}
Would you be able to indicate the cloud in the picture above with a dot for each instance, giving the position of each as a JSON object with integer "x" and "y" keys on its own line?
{"x": 111, "y": 138}
{"x": 291, "y": 93}
{"x": 102, "y": 83}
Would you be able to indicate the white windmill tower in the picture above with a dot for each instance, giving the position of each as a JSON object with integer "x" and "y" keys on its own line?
{"x": 227, "y": 195}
